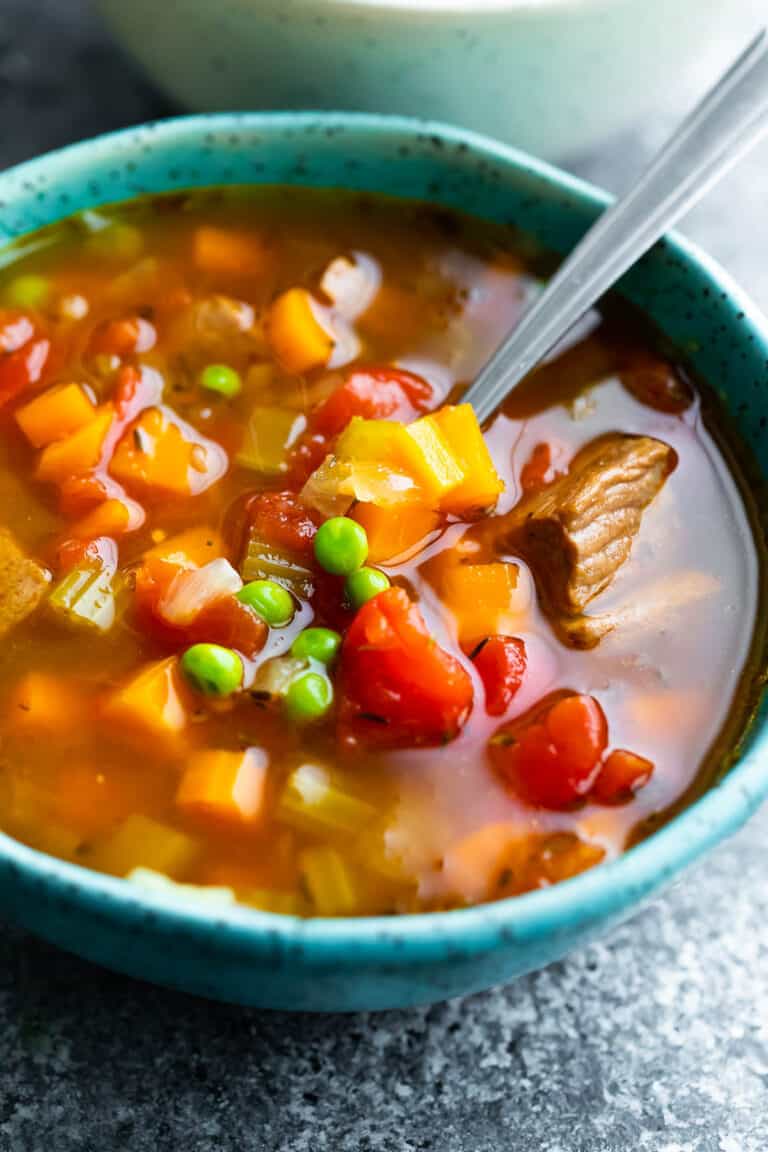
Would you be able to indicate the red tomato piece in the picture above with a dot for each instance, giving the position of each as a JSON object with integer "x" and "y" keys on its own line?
{"x": 501, "y": 663}
{"x": 622, "y": 774}
{"x": 16, "y": 330}
{"x": 135, "y": 390}
{"x": 229, "y": 622}
{"x": 554, "y": 758}
{"x": 281, "y": 520}
{"x": 397, "y": 685}
{"x": 657, "y": 385}
{"x": 377, "y": 393}
{"x": 23, "y": 368}
{"x": 128, "y": 337}
{"x": 102, "y": 552}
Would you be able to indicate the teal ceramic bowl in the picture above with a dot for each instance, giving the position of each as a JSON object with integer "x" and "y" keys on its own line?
{"x": 255, "y": 958}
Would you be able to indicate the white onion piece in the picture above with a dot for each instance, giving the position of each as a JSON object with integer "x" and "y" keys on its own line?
{"x": 352, "y": 284}
{"x": 194, "y": 589}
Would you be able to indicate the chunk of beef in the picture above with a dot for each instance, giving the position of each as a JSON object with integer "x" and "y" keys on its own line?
{"x": 578, "y": 532}
{"x": 22, "y": 583}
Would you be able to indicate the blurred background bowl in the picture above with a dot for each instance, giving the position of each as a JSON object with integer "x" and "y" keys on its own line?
{"x": 557, "y": 77}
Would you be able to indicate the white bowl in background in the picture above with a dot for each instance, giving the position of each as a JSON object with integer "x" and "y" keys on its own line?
{"x": 555, "y": 77}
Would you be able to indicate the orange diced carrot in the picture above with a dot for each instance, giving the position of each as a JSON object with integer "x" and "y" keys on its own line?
{"x": 47, "y": 704}
{"x": 299, "y": 340}
{"x": 482, "y": 485}
{"x": 55, "y": 414}
{"x": 112, "y": 518}
{"x": 224, "y": 250}
{"x": 150, "y": 707}
{"x": 484, "y": 598}
{"x": 160, "y": 452}
{"x": 391, "y": 531}
{"x": 80, "y": 452}
{"x": 225, "y": 786}
{"x": 194, "y": 546}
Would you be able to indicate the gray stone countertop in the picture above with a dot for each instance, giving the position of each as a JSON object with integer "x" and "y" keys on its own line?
{"x": 655, "y": 1040}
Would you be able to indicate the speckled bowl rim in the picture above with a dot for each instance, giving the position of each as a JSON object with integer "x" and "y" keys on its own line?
{"x": 605, "y": 892}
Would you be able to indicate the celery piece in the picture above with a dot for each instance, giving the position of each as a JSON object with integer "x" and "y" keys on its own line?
{"x": 264, "y": 562}
{"x": 157, "y": 882}
{"x": 140, "y": 842}
{"x": 329, "y": 882}
{"x": 86, "y": 597}
{"x": 269, "y": 434}
{"x": 273, "y": 677}
{"x": 312, "y": 800}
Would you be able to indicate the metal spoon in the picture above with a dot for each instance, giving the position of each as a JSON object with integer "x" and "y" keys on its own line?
{"x": 719, "y": 131}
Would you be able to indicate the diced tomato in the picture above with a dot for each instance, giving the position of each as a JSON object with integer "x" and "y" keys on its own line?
{"x": 378, "y": 393}
{"x": 79, "y": 494}
{"x": 229, "y": 622}
{"x": 127, "y": 337}
{"x": 501, "y": 664}
{"x": 622, "y": 774}
{"x": 16, "y": 330}
{"x": 397, "y": 685}
{"x": 553, "y": 759}
{"x": 23, "y": 368}
{"x": 280, "y": 519}
{"x": 135, "y": 390}
{"x": 656, "y": 384}
{"x": 538, "y": 470}
{"x": 102, "y": 551}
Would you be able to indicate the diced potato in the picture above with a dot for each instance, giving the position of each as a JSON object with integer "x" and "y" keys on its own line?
{"x": 55, "y": 414}
{"x": 329, "y": 882}
{"x": 311, "y": 799}
{"x": 484, "y": 598}
{"x": 296, "y": 333}
{"x": 194, "y": 546}
{"x": 269, "y": 434}
{"x": 150, "y": 706}
{"x": 226, "y": 251}
{"x": 225, "y": 786}
{"x": 482, "y": 485}
{"x": 155, "y": 882}
{"x": 441, "y": 468}
{"x": 85, "y": 597}
{"x": 140, "y": 842}
{"x": 79, "y": 452}
{"x": 391, "y": 531}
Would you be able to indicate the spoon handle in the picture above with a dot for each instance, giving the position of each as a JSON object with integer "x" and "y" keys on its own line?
{"x": 723, "y": 126}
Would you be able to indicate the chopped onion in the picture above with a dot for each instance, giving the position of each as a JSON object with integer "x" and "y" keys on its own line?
{"x": 352, "y": 284}
{"x": 195, "y": 588}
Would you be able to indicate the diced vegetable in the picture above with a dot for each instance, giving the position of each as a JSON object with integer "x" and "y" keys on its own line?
{"x": 30, "y": 291}
{"x": 298, "y": 337}
{"x": 160, "y": 885}
{"x": 112, "y": 518}
{"x": 501, "y": 663}
{"x": 553, "y": 759}
{"x": 221, "y": 378}
{"x": 337, "y": 484}
{"x": 621, "y": 775}
{"x": 79, "y": 452}
{"x": 86, "y": 597}
{"x": 141, "y": 842}
{"x": 398, "y": 684}
{"x": 229, "y": 252}
{"x": 483, "y": 598}
{"x": 150, "y": 705}
{"x": 212, "y": 669}
{"x": 23, "y": 583}
{"x": 390, "y": 531}
{"x": 309, "y": 697}
{"x": 475, "y": 865}
{"x": 269, "y": 434}
{"x": 442, "y": 471}
{"x": 55, "y": 414}
{"x": 228, "y": 622}
{"x": 363, "y": 585}
{"x": 538, "y": 471}
{"x": 162, "y": 454}
{"x": 195, "y": 546}
{"x": 116, "y": 241}
{"x": 193, "y": 590}
{"x": 130, "y": 336}
{"x": 263, "y": 561}
{"x": 225, "y": 786}
{"x": 282, "y": 520}
{"x": 23, "y": 368}
{"x": 351, "y": 284}
{"x": 313, "y": 800}
{"x": 481, "y": 486}
{"x": 341, "y": 546}
{"x": 269, "y": 600}
{"x": 329, "y": 882}
{"x": 274, "y": 677}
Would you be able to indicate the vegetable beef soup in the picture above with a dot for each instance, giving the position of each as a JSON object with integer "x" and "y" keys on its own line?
{"x": 282, "y": 625}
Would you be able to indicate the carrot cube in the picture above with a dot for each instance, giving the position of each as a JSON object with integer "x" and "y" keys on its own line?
{"x": 226, "y": 251}
{"x": 194, "y": 546}
{"x": 161, "y": 453}
{"x": 484, "y": 598}
{"x": 150, "y": 707}
{"x": 46, "y": 704}
{"x": 79, "y": 452}
{"x": 390, "y": 531}
{"x": 299, "y": 340}
{"x": 225, "y": 786}
{"x": 55, "y": 414}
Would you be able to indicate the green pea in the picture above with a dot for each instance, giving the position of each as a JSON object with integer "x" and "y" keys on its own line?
{"x": 363, "y": 585}
{"x": 221, "y": 378}
{"x": 269, "y": 600}
{"x": 309, "y": 697}
{"x": 341, "y": 545}
{"x": 320, "y": 644}
{"x": 28, "y": 291}
{"x": 212, "y": 670}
